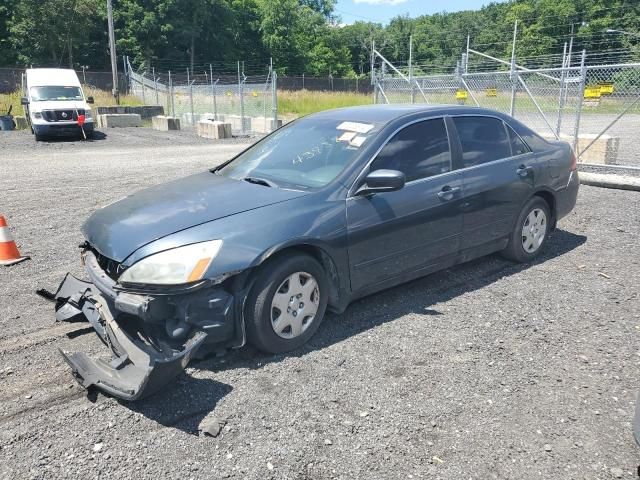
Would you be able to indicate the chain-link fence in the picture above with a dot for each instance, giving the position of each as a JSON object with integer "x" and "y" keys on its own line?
{"x": 248, "y": 103}
{"x": 596, "y": 108}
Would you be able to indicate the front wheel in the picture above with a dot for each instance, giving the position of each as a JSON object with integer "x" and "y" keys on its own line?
{"x": 286, "y": 304}
{"x": 530, "y": 233}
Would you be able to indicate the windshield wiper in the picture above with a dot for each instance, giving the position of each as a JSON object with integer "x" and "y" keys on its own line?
{"x": 260, "y": 181}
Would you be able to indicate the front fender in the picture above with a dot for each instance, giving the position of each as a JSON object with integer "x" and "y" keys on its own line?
{"x": 251, "y": 237}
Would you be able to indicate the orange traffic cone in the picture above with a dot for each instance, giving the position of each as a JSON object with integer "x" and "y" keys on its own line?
{"x": 9, "y": 253}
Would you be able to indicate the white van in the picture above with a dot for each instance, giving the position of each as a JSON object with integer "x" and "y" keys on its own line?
{"x": 53, "y": 100}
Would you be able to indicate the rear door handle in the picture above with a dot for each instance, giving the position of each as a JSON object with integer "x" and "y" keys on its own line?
{"x": 524, "y": 171}
{"x": 447, "y": 192}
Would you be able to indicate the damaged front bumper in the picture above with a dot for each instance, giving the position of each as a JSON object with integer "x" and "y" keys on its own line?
{"x": 151, "y": 336}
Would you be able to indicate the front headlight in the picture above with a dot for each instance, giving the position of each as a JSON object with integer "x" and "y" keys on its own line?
{"x": 87, "y": 115}
{"x": 173, "y": 267}
{"x": 37, "y": 115}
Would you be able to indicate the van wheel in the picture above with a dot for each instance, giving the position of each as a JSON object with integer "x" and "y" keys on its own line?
{"x": 286, "y": 304}
{"x": 530, "y": 233}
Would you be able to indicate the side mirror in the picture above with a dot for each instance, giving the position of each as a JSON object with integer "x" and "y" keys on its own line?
{"x": 89, "y": 99}
{"x": 24, "y": 101}
{"x": 382, "y": 181}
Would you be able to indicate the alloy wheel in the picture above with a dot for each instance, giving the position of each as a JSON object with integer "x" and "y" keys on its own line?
{"x": 534, "y": 230}
{"x": 294, "y": 305}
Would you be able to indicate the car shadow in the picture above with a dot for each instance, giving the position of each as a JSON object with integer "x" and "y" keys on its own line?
{"x": 199, "y": 396}
{"x": 96, "y": 136}
{"x": 183, "y": 403}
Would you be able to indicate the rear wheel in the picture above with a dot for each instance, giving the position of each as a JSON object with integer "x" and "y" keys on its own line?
{"x": 530, "y": 233}
{"x": 286, "y": 304}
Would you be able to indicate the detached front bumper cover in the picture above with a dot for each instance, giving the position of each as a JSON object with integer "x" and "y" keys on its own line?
{"x": 140, "y": 364}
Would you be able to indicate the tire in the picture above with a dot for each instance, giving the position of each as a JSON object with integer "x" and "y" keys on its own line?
{"x": 264, "y": 319}
{"x": 534, "y": 215}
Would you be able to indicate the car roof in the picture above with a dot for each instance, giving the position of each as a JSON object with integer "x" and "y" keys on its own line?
{"x": 389, "y": 112}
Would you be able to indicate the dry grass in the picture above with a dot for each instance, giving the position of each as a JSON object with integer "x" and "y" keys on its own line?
{"x": 304, "y": 102}
{"x": 102, "y": 98}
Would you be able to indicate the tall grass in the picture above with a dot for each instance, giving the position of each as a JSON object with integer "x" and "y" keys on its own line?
{"x": 304, "y": 102}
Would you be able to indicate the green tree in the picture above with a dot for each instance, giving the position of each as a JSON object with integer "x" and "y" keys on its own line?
{"x": 56, "y": 40}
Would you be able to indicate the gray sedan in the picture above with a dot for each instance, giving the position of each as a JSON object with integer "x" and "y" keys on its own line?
{"x": 330, "y": 208}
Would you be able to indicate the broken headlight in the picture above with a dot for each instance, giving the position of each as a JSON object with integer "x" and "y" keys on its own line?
{"x": 173, "y": 267}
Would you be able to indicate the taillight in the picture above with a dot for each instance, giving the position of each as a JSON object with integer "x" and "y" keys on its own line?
{"x": 574, "y": 161}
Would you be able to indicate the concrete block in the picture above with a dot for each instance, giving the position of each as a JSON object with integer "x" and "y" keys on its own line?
{"x": 604, "y": 151}
{"x": 238, "y": 121}
{"x": 145, "y": 111}
{"x": 21, "y": 123}
{"x": 265, "y": 125}
{"x": 109, "y": 110}
{"x": 214, "y": 130}
{"x": 116, "y": 120}
{"x": 162, "y": 123}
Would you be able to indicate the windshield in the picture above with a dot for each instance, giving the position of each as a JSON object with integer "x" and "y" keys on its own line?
{"x": 51, "y": 92}
{"x": 308, "y": 153}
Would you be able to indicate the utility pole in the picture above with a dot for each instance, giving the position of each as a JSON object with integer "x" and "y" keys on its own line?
{"x": 112, "y": 51}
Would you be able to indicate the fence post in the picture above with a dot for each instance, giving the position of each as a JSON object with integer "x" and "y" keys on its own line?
{"x": 274, "y": 97}
{"x": 583, "y": 81}
{"x": 144, "y": 101}
{"x": 413, "y": 91}
{"x": 514, "y": 73}
{"x": 213, "y": 93}
{"x": 173, "y": 105}
{"x": 155, "y": 85}
{"x": 563, "y": 76}
{"x": 241, "y": 93}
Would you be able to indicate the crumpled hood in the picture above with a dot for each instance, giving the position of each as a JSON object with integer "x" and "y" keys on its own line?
{"x": 119, "y": 229}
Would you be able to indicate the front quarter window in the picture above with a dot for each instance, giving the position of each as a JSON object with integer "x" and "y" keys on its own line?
{"x": 306, "y": 154}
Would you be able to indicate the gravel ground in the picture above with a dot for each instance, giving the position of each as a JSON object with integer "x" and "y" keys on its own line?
{"x": 485, "y": 370}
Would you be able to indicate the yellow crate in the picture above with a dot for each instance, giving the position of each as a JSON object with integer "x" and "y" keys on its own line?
{"x": 606, "y": 88}
{"x": 592, "y": 92}
{"x": 492, "y": 92}
{"x": 461, "y": 95}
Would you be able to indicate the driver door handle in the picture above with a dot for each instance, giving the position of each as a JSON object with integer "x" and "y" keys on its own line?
{"x": 447, "y": 192}
{"x": 524, "y": 171}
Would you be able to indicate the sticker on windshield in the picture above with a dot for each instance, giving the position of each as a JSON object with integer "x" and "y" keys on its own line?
{"x": 347, "y": 136}
{"x": 355, "y": 127}
{"x": 358, "y": 141}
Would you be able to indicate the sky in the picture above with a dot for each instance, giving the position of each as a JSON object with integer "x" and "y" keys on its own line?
{"x": 384, "y": 10}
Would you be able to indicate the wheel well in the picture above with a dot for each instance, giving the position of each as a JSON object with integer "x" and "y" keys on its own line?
{"x": 551, "y": 202}
{"x": 323, "y": 259}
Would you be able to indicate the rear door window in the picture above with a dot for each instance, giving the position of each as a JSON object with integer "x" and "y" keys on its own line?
{"x": 518, "y": 147}
{"x": 483, "y": 139}
{"x": 419, "y": 151}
